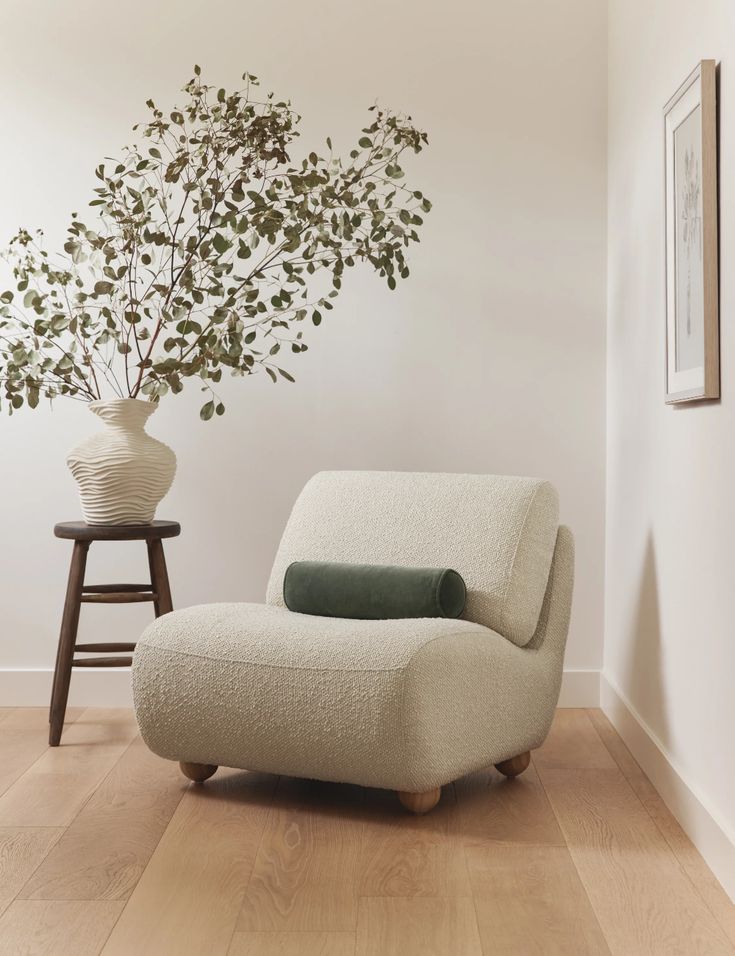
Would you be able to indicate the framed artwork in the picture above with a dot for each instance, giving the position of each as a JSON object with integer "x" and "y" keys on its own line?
{"x": 692, "y": 325}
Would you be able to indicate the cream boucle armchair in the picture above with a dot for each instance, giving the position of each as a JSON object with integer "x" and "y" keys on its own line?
{"x": 408, "y": 704}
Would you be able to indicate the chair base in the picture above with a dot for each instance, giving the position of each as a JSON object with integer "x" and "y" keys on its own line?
{"x": 514, "y": 765}
{"x": 420, "y": 802}
{"x": 198, "y": 772}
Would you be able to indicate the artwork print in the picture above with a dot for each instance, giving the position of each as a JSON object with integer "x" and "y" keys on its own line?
{"x": 689, "y": 273}
{"x": 692, "y": 357}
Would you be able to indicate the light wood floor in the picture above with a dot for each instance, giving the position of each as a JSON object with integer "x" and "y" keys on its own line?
{"x": 105, "y": 848}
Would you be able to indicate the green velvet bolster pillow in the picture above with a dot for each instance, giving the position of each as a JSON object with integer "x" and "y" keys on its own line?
{"x": 372, "y": 591}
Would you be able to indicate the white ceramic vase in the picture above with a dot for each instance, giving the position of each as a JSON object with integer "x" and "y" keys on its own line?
{"x": 122, "y": 472}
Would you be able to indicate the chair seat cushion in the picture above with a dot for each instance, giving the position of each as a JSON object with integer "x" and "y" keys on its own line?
{"x": 404, "y": 704}
{"x": 268, "y": 636}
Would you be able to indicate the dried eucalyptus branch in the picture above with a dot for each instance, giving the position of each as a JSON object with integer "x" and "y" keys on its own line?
{"x": 209, "y": 251}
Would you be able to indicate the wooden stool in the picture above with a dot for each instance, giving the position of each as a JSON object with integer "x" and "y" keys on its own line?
{"x": 77, "y": 593}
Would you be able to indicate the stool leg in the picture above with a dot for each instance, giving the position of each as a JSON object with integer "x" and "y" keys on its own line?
{"x": 159, "y": 577}
{"x": 67, "y": 640}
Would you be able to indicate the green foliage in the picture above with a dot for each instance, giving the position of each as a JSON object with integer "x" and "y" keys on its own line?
{"x": 209, "y": 251}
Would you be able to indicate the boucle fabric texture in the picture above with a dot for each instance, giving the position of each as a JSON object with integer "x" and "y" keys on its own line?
{"x": 497, "y": 532}
{"x": 401, "y": 704}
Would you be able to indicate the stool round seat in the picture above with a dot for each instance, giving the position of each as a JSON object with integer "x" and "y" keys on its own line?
{"x": 81, "y": 531}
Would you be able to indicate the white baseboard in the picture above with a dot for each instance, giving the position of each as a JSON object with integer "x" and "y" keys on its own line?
{"x": 106, "y": 687}
{"x": 710, "y": 834}
{"x": 580, "y": 689}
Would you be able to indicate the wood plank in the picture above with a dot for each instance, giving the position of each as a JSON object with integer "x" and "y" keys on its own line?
{"x": 188, "y": 898}
{"x": 56, "y": 927}
{"x": 52, "y": 791}
{"x": 24, "y": 738}
{"x": 702, "y": 878}
{"x": 292, "y": 944}
{"x": 613, "y": 742}
{"x": 494, "y": 808}
{"x": 641, "y": 896}
{"x": 21, "y": 851}
{"x": 343, "y": 870}
{"x": 105, "y": 850}
{"x": 404, "y": 854}
{"x": 573, "y": 743}
{"x": 529, "y": 900}
{"x": 417, "y": 927}
{"x": 306, "y": 871}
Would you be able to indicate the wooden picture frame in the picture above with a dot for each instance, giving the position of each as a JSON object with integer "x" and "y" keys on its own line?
{"x": 692, "y": 322}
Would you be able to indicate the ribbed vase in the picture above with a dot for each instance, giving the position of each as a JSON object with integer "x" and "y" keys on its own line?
{"x": 122, "y": 472}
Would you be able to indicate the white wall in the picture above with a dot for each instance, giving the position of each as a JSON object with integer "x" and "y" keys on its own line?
{"x": 669, "y": 647}
{"x": 489, "y": 359}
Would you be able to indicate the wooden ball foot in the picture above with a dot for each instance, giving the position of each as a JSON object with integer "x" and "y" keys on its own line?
{"x": 514, "y": 765}
{"x": 420, "y": 802}
{"x": 198, "y": 772}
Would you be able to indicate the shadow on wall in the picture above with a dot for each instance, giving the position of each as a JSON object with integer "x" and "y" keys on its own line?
{"x": 645, "y": 661}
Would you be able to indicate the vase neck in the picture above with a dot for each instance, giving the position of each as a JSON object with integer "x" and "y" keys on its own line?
{"x": 125, "y": 413}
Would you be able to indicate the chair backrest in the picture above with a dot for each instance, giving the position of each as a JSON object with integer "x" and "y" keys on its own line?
{"x": 498, "y": 532}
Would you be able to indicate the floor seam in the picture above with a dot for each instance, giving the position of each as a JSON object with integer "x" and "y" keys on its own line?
{"x": 571, "y": 857}
{"x": 252, "y": 869}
